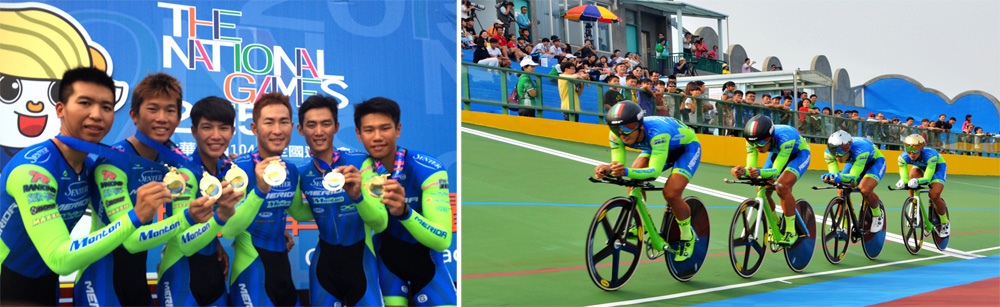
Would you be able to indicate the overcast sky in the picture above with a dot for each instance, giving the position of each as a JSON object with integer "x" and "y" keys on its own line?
{"x": 951, "y": 46}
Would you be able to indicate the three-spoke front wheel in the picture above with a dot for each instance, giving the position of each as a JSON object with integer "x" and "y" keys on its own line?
{"x": 912, "y": 224}
{"x": 836, "y": 230}
{"x": 613, "y": 250}
{"x": 747, "y": 244}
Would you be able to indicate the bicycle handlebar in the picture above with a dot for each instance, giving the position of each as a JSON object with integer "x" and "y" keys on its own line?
{"x": 624, "y": 182}
{"x": 918, "y": 188}
{"x": 839, "y": 186}
{"x": 752, "y": 181}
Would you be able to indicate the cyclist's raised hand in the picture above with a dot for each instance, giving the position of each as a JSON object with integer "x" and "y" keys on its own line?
{"x": 601, "y": 170}
{"x": 617, "y": 169}
{"x": 738, "y": 171}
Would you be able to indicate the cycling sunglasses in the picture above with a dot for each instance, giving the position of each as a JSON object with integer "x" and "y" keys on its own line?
{"x": 841, "y": 150}
{"x": 912, "y": 149}
{"x": 625, "y": 129}
{"x": 760, "y": 143}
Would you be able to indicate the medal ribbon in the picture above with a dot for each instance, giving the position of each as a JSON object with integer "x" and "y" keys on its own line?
{"x": 172, "y": 153}
{"x": 397, "y": 168}
{"x": 323, "y": 166}
{"x": 109, "y": 152}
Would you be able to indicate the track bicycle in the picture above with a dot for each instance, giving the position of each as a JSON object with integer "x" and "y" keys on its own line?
{"x": 917, "y": 223}
{"x": 753, "y": 236}
{"x": 840, "y": 228}
{"x": 617, "y": 231}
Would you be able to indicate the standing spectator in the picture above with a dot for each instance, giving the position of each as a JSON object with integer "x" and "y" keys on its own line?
{"x": 725, "y": 69}
{"x": 523, "y": 21}
{"x": 714, "y": 54}
{"x": 942, "y": 123}
{"x": 505, "y": 13}
{"x": 688, "y": 43}
{"x": 702, "y": 49}
{"x": 646, "y": 100}
{"x": 728, "y": 89}
{"x": 588, "y": 49}
{"x": 526, "y": 87}
{"x": 814, "y": 99}
{"x": 613, "y": 95}
{"x": 565, "y": 86}
{"x": 747, "y": 65}
{"x": 967, "y": 125}
{"x": 765, "y": 100}
{"x": 662, "y": 54}
{"x": 690, "y": 103}
{"x": 828, "y": 123}
{"x": 681, "y": 68}
{"x": 909, "y": 122}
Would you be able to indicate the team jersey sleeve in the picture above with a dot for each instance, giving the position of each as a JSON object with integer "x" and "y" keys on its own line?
{"x": 246, "y": 211}
{"x": 299, "y": 210}
{"x": 196, "y": 237}
{"x": 156, "y": 234}
{"x": 785, "y": 151}
{"x": 852, "y": 173}
{"x": 930, "y": 170}
{"x": 34, "y": 189}
{"x": 617, "y": 148}
{"x": 904, "y": 172}
{"x": 431, "y": 227}
{"x": 751, "y": 156}
{"x": 372, "y": 212}
{"x": 831, "y": 162}
{"x": 657, "y": 159}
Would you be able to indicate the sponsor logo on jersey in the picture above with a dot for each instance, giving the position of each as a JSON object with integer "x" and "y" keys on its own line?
{"x": 319, "y": 210}
{"x": 38, "y": 155}
{"x": 412, "y": 199}
{"x": 108, "y": 176}
{"x": 114, "y": 201}
{"x": 348, "y": 208}
{"x": 422, "y": 298}
{"x": 404, "y": 289}
{"x": 265, "y": 214}
{"x": 77, "y": 191}
{"x": 328, "y": 200}
{"x": 150, "y": 176}
{"x": 40, "y": 198}
{"x": 38, "y": 188}
{"x": 317, "y": 183}
{"x": 91, "y": 294}
{"x": 657, "y": 141}
{"x": 168, "y": 300}
{"x": 6, "y": 216}
{"x": 426, "y": 161}
{"x": 45, "y": 218}
{"x": 277, "y": 195}
{"x": 443, "y": 184}
{"x": 108, "y": 184}
{"x": 149, "y": 234}
{"x": 431, "y": 228}
{"x": 187, "y": 237}
{"x": 43, "y": 208}
{"x": 84, "y": 242}
{"x": 245, "y": 295}
{"x": 36, "y": 177}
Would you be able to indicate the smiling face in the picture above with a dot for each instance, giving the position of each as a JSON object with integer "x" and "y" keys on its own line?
{"x": 378, "y": 134}
{"x": 29, "y": 108}
{"x": 212, "y": 137}
{"x": 318, "y": 127}
{"x": 273, "y": 129}
{"x": 157, "y": 118}
{"x": 88, "y": 113}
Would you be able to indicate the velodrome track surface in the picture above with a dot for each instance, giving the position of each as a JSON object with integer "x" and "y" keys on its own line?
{"x": 526, "y": 206}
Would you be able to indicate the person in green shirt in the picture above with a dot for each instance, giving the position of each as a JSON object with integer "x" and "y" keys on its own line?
{"x": 662, "y": 54}
{"x": 526, "y": 87}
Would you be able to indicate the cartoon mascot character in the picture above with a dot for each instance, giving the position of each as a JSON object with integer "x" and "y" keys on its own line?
{"x": 37, "y": 44}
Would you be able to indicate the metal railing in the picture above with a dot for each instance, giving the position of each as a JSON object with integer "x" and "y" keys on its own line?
{"x": 719, "y": 117}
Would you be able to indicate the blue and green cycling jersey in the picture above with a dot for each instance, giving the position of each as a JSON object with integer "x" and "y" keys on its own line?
{"x": 661, "y": 136}
{"x": 340, "y": 219}
{"x": 425, "y": 183}
{"x": 42, "y": 200}
{"x": 930, "y": 163}
{"x": 266, "y": 223}
{"x": 863, "y": 154}
{"x": 789, "y": 144}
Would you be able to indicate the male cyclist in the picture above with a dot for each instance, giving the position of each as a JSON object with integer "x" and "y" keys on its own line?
{"x": 665, "y": 143}
{"x": 786, "y": 165}
{"x": 860, "y": 157}
{"x": 932, "y": 170}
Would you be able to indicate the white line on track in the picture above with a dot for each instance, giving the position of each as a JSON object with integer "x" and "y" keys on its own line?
{"x": 776, "y": 279}
{"x": 692, "y": 187}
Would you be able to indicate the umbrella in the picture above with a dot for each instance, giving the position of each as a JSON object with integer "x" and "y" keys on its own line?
{"x": 591, "y": 13}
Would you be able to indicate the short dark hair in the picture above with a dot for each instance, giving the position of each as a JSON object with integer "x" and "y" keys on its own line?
{"x": 699, "y": 83}
{"x": 738, "y": 92}
{"x": 813, "y": 95}
{"x": 646, "y": 80}
{"x": 631, "y": 77}
{"x": 751, "y": 92}
{"x": 787, "y": 98}
{"x": 909, "y": 118}
{"x": 729, "y": 83}
{"x": 672, "y": 77}
{"x": 609, "y": 77}
{"x": 493, "y": 40}
{"x": 83, "y": 74}
{"x": 671, "y": 83}
{"x": 660, "y": 82}
{"x": 762, "y": 96}
{"x": 953, "y": 118}
{"x": 545, "y": 40}
{"x": 269, "y": 99}
{"x": 377, "y": 105}
{"x": 746, "y": 60}
{"x": 838, "y": 112}
{"x": 157, "y": 85}
{"x": 318, "y": 101}
{"x": 566, "y": 64}
{"x": 924, "y": 120}
{"x": 826, "y": 109}
{"x": 968, "y": 116}
{"x": 213, "y": 108}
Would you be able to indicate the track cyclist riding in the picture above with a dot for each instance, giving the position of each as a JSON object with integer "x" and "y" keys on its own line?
{"x": 665, "y": 143}
{"x": 932, "y": 170}
{"x": 860, "y": 157}
{"x": 786, "y": 165}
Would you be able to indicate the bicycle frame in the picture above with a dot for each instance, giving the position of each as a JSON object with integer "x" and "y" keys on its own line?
{"x": 769, "y": 216}
{"x": 657, "y": 242}
{"x": 920, "y": 204}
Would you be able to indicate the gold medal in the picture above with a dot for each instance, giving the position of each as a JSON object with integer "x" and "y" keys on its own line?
{"x": 237, "y": 178}
{"x": 174, "y": 181}
{"x": 375, "y": 185}
{"x": 333, "y": 181}
{"x": 274, "y": 174}
{"x": 210, "y": 186}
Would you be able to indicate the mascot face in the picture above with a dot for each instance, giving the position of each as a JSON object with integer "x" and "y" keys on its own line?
{"x": 39, "y": 43}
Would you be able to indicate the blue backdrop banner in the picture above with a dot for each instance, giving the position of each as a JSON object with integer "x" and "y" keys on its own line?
{"x": 238, "y": 50}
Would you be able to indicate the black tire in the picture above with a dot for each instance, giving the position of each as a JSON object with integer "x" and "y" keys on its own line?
{"x": 939, "y": 242}
{"x": 687, "y": 269}
{"x": 744, "y": 226}
{"x": 836, "y": 230}
{"x": 800, "y": 254}
{"x": 912, "y": 225}
{"x": 609, "y": 229}
{"x": 871, "y": 243}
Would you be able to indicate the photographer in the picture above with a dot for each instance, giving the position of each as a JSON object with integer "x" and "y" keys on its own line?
{"x": 747, "y": 65}
{"x": 505, "y": 14}
{"x": 467, "y": 8}
{"x": 681, "y": 68}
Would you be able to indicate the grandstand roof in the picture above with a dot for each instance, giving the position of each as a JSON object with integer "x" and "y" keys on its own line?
{"x": 766, "y": 81}
{"x": 673, "y": 6}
